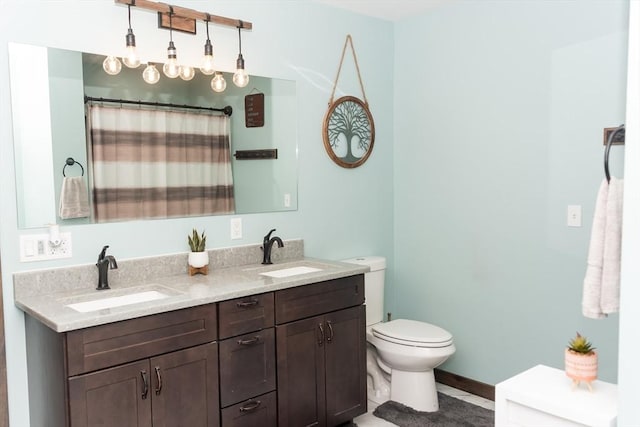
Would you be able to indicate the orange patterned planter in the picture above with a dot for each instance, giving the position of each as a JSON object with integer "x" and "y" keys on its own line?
{"x": 581, "y": 367}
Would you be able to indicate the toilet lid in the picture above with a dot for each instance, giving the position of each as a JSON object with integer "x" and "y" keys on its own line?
{"x": 413, "y": 333}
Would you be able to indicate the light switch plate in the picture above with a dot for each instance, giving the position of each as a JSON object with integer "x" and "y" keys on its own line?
{"x": 36, "y": 247}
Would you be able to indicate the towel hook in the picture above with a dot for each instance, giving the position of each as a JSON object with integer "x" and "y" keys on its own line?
{"x": 606, "y": 151}
{"x": 71, "y": 162}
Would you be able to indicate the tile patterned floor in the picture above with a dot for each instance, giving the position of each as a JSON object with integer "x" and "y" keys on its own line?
{"x": 369, "y": 420}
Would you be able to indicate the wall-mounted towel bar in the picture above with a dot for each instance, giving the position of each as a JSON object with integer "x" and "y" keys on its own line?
{"x": 617, "y": 133}
{"x": 71, "y": 162}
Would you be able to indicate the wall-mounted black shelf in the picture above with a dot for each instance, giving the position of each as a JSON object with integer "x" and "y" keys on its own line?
{"x": 266, "y": 154}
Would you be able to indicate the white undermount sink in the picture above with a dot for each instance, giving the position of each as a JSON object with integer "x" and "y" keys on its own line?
{"x": 291, "y": 271}
{"x": 117, "y": 301}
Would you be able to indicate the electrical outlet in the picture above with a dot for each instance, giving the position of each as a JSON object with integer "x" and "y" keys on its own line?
{"x": 36, "y": 247}
{"x": 236, "y": 228}
{"x": 574, "y": 216}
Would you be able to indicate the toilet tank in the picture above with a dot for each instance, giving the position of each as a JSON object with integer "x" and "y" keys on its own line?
{"x": 373, "y": 286}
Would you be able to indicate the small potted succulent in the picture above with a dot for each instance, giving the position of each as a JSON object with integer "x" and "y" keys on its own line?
{"x": 581, "y": 361}
{"x": 198, "y": 257}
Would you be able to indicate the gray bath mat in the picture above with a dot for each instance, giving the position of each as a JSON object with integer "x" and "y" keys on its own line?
{"x": 452, "y": 413}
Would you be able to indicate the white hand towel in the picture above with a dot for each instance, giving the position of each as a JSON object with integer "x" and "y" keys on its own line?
{"x": 610, "y": 293}
{"x": 592, "y": 285}
{"x": 74, "y": 200}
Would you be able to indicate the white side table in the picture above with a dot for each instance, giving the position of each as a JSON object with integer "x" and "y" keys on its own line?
{"x": 542, "y": 396}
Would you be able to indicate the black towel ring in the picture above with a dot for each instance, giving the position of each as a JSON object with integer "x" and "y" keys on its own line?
{"x": 612, "y": 136}
{"x": 71, "y": 162}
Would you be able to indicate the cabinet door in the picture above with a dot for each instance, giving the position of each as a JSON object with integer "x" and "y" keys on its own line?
{"x": 184, "y": 385}
{"x": 115, "y": 397}
{"x": 300, "y": 349}
{"x": 346, "y": 370}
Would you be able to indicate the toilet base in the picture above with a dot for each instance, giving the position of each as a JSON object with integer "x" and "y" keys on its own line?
{"x": 415, "y": 389}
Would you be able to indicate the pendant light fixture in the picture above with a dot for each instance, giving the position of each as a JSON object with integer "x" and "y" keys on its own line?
{"x": 130, "y": 58}
{"x": 151, "y": 74}
{"x": 240, "y": 77}
{"x": 218, "y": 83}
{"x": 206, "y": 65}
{"x": 187, "y": 72}
{"x": 111, "y": 65}
{"x": 171, "y": 68}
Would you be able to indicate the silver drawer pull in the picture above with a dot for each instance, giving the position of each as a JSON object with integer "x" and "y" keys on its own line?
{"x": 320, "y": 334}
{"x": 245, "y": 304}
{"x": 251, "y": 341}
{"x": 250, "y": 406}
{"x": 330, "y": 335}
{"x": 145, "y": 384}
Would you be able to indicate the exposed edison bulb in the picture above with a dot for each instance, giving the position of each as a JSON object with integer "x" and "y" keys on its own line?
{"x": 171, "y": 68}
{"x": 218, "y": 83}
{"x": 206, "y": 65}
{"x": 131, "y": 58}
{"x": 112, "y": 65}
{"x": 240, "y": 77}
{"x": 187, "y": 72}
{"x": 151, "y": 74}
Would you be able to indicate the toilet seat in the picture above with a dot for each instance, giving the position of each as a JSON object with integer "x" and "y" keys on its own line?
{"x": 412, "y": 333}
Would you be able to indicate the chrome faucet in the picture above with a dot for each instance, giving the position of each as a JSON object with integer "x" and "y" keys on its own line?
{"x": 267, "y": 244}
{"x": 104, "y": 264}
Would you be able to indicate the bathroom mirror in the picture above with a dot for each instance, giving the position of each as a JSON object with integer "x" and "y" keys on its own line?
{"x": 48, "y": 87}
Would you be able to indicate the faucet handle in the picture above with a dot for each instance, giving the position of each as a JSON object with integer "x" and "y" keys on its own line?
{"x": 103, "y": 253}
{"x": 268, "y": 236}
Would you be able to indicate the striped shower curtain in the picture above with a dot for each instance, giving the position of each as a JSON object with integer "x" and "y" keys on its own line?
{"x": 158, "y": 163}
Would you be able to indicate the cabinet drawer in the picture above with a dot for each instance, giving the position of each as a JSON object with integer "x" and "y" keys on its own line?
{"x": 248, "y": 366}
{"x": 318, "y": 298}
{"x": 115, "y": 343}
{"x": 257, "y": 412}
{"x": 243, "y": 315}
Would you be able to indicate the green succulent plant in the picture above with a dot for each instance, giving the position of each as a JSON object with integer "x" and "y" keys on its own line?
{"x": 197, "y": 241}
{"x": 581, "y": 345}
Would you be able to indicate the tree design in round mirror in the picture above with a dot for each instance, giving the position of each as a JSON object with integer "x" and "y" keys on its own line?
{"x": 348, "y": 132}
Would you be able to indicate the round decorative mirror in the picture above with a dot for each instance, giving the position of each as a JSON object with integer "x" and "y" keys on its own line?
{"x": 348, "y": 132}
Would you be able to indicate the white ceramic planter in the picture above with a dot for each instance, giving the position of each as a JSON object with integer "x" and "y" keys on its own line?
{"x": 198, "y": 259}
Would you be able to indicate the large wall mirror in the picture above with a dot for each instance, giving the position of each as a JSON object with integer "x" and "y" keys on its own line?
{"x": 48, "y": 90}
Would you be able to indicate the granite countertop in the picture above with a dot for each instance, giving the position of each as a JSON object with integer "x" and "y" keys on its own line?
{"x": 181, "y": 290}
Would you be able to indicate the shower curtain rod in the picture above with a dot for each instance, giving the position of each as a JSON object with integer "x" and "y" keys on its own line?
{"x": 228, "y": 110}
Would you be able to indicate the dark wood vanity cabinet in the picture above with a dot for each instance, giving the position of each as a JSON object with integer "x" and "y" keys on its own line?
{"x": 293, "y": 357}
{"x": 322, "y": 356}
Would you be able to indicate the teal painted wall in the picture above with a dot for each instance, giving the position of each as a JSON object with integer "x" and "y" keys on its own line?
{"x": 489, "y": 120}
{"x": 341, "y": 213}
{"x": 500, "y": 129}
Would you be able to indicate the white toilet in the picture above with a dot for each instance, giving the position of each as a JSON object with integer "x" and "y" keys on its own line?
{"x": 402, "y": 353}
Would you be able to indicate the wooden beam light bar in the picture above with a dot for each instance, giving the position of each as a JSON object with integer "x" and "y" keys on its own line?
{"x": 183, "y": 12}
